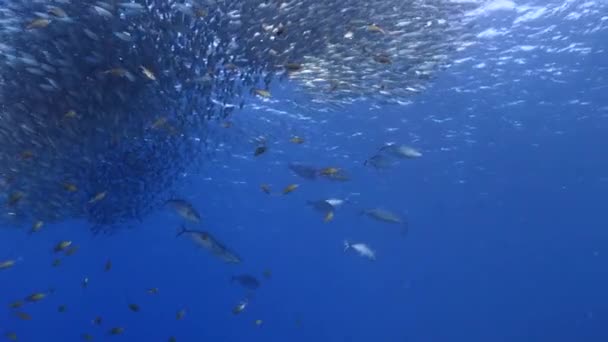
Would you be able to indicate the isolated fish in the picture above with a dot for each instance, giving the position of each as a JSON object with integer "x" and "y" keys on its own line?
{"x": 185, "y": 210}
{"x": 248, "y": 281}
{"x": 360, "y": 248}
{"x": 402, "y": 151}
{"x": 383, "y": 215}
{"x": 208, "y": 242}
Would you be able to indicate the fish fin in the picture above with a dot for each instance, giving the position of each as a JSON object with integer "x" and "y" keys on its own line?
{"x": 346, "y": 245}
{"x": 182, "y": 230}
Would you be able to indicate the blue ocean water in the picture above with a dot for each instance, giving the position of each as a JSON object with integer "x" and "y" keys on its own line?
{"x": 506, "y": 208}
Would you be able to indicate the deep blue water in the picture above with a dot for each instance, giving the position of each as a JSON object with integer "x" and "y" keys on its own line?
{"x": 508, "y": 238}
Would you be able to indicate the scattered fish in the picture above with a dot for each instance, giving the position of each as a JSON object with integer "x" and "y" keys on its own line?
{"x": 383, "y": 215}
{"x": 247, "y": 281}
{"x": 205, "y": 240}
{"x": 6, "y": 264}
{"x": 360, "y": 248}
{"x": 240, "y": 307}
{"x": 62, "y": 246}
{"x": 290, "y": 188}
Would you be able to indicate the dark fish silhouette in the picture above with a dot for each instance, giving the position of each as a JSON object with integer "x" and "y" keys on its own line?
{"x": 247, "y": 281}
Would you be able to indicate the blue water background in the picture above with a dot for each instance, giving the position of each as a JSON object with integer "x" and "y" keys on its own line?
{"x": 508, "y": 237}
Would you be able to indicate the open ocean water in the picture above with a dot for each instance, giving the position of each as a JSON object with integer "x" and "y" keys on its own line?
{"x": 505, "y": 209}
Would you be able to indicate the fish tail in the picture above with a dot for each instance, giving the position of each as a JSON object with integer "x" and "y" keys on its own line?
{"x": 182, "y": 229}
{"x": 346, "y": 245}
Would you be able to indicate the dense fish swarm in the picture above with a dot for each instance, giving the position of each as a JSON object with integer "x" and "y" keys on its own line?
{"x": 105, "y": 103}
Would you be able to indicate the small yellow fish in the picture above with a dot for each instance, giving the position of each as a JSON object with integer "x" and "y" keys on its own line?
{"x": 329, "y": 171}
{"x": 62, "y": 246}
{"x": 290, "y": 188}
{"x": 36, "y": 227}
{"x": 117, "y": 331}
{"x": 16, "y": 305}
{"x": 265, "y": 188}
{"x": 70, "y": 114}
{"x": 180, "y": 314}
{"x": 297, "y": 140}
{"x": 226, "y": 124}
{"x": 4, "y": 265}
{"x": 69, "y": 187}
{"x": 172, "y": 339}
{"x": 61, "y": 308}
{"x": 56, "y": 263}
{"x": 149, "y": 74}
{"x": 98, "y": 197}
{"x": 153, "y": 291}
{"x": 35, "y": 297}
{"x": 134, "y": 307}
{"x": 23, "y": 316}
{"x": 329, "y": 216}
{"x": 262, "y": 93}
{"x": 38, "y": 24}
{"x": 11, "y": 336}
{"x": 258, "y": 322}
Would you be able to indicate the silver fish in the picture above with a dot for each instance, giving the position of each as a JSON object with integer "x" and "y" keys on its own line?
{"x": 185, "y": 210}
{"x": 386, "y": 216}
{"x": 360, "y": 248}
{"x": 208, "y": 242}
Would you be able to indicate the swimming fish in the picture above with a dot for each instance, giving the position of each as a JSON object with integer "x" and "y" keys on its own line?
{"x": 185, "y": 210}
{"x": 402, "y": 151}
{"x": 247, "y": 281}
{"x": 360, "y": 248}
{"x": 383, "y": 215}
{"x": 208, "y": 242}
